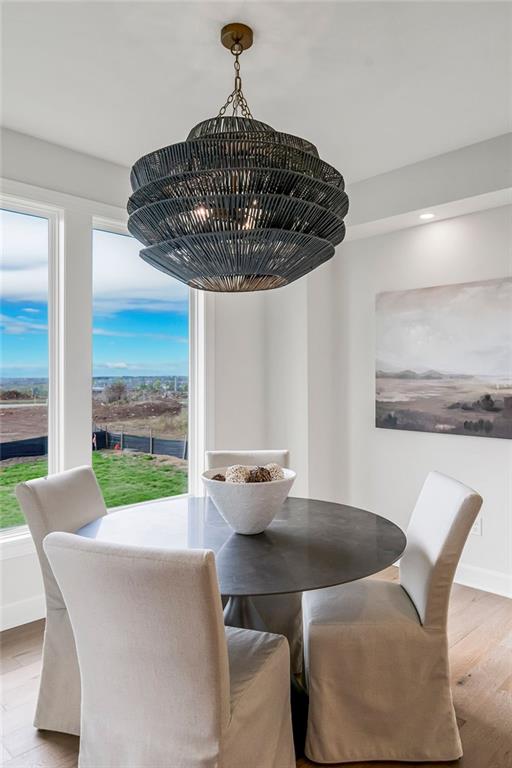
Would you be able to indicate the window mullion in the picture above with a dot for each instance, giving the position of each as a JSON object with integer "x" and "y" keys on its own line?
{"x": 74, "y": 340}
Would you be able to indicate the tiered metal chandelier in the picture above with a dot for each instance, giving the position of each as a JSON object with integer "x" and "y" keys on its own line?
{"x": 238, "y": 206}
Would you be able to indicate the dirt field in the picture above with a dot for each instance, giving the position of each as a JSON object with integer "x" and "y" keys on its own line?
{"x": 20, "y": 422}
{"x": 165, "y": 418}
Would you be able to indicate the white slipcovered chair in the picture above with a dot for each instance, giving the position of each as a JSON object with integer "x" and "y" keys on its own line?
{"x": 376, "y": 652}
{"x": 164, "y": 683}
{"x": 280, "y": 613}
{"x": 61, "y": 502}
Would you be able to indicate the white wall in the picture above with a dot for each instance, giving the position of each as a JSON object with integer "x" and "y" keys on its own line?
{"x": 475, "y": 171}
{"x": 32, "y": 161}
{"x": 382, "y": 470}
{"x": 21, "y": 594}
{"x": 385, "y": 467}
{"x": 320, "y": 346}
{"x": 239, "y": 359}
{"x": 286, "y": 377}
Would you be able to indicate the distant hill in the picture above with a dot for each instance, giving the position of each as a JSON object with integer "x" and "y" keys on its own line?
{"x": 426, "y": 375}
{"x": 434, "y": 375}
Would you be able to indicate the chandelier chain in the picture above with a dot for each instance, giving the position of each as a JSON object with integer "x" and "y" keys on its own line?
{"x": 236, "y": 98}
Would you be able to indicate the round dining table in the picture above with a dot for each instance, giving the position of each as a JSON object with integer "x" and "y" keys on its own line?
{"x": 309, "y": 545}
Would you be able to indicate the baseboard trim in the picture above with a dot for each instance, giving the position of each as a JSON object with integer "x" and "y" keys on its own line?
{"x": 22, "y": 612}
{"x": 482, "y": 578}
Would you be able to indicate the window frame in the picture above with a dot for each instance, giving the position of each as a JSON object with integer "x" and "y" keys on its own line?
{"x": 71, "y": 221}
{"x": 53, "y": 216}
{"x": 196, "y": 372}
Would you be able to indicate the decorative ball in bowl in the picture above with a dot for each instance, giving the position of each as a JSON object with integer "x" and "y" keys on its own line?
{"x": 248, "y": 506}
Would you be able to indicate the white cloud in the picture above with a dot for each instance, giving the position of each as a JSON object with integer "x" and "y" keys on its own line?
{"x": 31, "y": 310}
{"x": 111, "y": 306}
{"x": 128, "y": 335}
{"x": 29, "y": 284}
{"x": 19, "y": 325}
{"x": 121, "y": 280}
{"x": 159, "y": 368}
{"x": 24, "y": 249}
{"x": 43, "y": 366}
{"x": 24, "y": 240}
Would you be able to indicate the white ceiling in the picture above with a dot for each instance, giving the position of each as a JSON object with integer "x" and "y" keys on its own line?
{"x": 374, "y": 85}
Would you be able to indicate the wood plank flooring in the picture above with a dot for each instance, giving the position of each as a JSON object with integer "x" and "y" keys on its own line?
{"x": 481, "y": 664}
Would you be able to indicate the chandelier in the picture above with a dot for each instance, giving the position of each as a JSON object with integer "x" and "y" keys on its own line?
{"x": 238, "y": 206}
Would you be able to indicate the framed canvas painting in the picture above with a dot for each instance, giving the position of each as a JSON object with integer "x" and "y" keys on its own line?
{"x": 444, "y": 359}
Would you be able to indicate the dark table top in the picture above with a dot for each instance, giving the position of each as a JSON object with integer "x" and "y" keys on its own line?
{"x": 310, "y": 545}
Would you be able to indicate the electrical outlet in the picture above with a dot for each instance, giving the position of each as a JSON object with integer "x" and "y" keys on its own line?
{"x": 477, "y": 527}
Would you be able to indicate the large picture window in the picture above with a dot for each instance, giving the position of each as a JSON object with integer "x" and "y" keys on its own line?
{"x": 140, "y": 392}
{"x": 24, "y": 358}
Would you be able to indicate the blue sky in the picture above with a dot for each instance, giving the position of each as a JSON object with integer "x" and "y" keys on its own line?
{"x": 24, "y": 339}
{"x": 140, "y": 315}
{"x": 140, "y": 323}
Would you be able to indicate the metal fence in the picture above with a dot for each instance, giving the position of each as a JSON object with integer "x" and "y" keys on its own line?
{"x": 38, "y": 446}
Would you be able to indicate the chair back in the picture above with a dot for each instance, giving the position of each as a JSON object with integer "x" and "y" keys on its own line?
{"x": 216, "y": 459}
{"x": 441, "y": 521}
{"x": 151, "y": 647}
{"x": 61, "y": 502}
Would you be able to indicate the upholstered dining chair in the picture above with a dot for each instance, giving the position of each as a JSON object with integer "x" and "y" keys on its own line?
{"x": 61, "y": 502}
{"x": 280, "y": 613}
{"x": 163, "y": 681}
{"x": 376, "y": 652}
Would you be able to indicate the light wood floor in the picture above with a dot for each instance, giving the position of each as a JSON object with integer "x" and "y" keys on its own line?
{"x": 481, "y": 658}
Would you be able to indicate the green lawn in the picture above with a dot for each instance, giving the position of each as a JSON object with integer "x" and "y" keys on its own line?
{"x": 124, "y": 478}
{"x": 10, "y": 513}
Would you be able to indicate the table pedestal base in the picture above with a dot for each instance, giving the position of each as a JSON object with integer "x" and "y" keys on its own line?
{"x": 240, "y": 611}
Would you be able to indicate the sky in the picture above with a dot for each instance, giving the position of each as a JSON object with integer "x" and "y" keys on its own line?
{"x": 140, "y": 316}
{"x": 464, "y": 329}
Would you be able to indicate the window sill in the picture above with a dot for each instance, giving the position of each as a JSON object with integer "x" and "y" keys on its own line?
{"x": 150, "y": 501}
{"x": 18, "y": 541}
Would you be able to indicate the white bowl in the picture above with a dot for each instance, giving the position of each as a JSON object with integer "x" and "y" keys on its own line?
{"x": 248, "y": 507}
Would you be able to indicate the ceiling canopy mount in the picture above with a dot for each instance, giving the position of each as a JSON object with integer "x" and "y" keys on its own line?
{"x": 236, "y": 35}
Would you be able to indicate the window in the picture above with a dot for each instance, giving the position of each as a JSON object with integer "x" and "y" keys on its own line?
{"x": 140, "y": 392}
{"x": 24, "y": 358}
{"x": 141, "y": 351}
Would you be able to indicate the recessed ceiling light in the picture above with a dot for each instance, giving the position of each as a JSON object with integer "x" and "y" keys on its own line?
{"x": 426, "y": 216}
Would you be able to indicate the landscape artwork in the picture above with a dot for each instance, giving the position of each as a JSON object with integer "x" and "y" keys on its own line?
{"x": 444, "y": 359}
